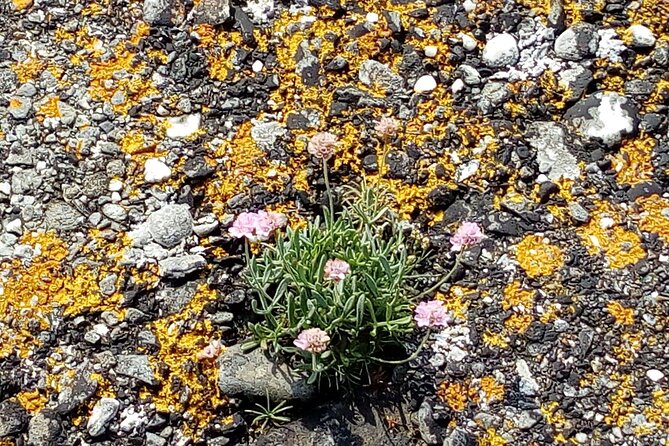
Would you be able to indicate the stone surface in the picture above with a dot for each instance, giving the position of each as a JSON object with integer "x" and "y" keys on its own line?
{"x": 62, "y": 216}
{"x": 170, "y": 224}
{"x": 44, "y": 429}
{"x": 577, "y": 42}
{"x": 13, "y": 418}
{"x": 136, "y": 366}
{"x": 213, "y": 12}
{"x": 501, "y": 51}
{"x": 77, "y": 392}
{"x": 641, "y": 36}
{"x": 425, "y": 84}
{"x": 180, "y": 266}
{"x": 158, "y": 12}
{"x": 103, "y": 412}
{"x": 555, "y": 160}
{"x": 253, "y": 375}
{"x": 606, "y": 117}
{"x": 156, "y": 171}
{"x": 375, "y": 74}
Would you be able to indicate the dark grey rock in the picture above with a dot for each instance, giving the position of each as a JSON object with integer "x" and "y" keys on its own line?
{"x": 458, "y": 437}
{"x": 170, "y": 224}
{"x": 577, "y": 79}
{"x": 62, "y": 216}
{"x": 606, "y": 117}
{"x": 13, "y": 418}
{"x": 577, "y": 42}
{"x": 197, "y": 167}
{"x": 426, "y": 424}
{"x": 76, "y": 393}
{"x": 254, "y": 375}
{"x": 103, "y": 412}
{"x": 469, "y": 74}
{"x": 181, "y": 266}
{"x": 158, "y": 12}
{"x": 136, "y": 366}
{"x": 644, "y": 190}
{"x": 175, "y": 299}
{"x": 579, "y": 213}
{"x": 44, "y": 429}
{"x": 550, "y": 141}
{"x": 375, "y": 74}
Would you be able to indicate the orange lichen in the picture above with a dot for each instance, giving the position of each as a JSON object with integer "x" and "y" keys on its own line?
{"x": 633, "y": 163}
{"x": 517, "y": 298}
{"x": 49, "y": 109}
{"x": 133, "y": 142}
{"x": 494, "y": 340}
{"x": 491, "y": 389}
{"x": 491, "y": 438}
{"x": 655, "y": 216}
{"x": 455, "y": 302}
{"x": 538, "y": 257}
{"x": 28, "y": 69}
{"x": 658, "y": 413}
{"x": 20, "y": 5}
{"x": 630, "y": 344}
{"x": 622, "y": 315}
{"x": 621, "y": 408}
{"x": 454, "y": 394}
{"x": 32, "y": 400}
{"x": 518, "y": 323}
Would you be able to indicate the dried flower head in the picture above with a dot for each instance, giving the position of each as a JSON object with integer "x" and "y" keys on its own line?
{"x": 468, "y": 234}
{"x": 211, "y": 351}
{"x": 336, "y": 270}
{"x": 431, "y": 314}
{"x": 257, "y": 226}
{"x": 312, "y": 340}
{"x": 386, "y": 128}
{"x": 322, "y": 145}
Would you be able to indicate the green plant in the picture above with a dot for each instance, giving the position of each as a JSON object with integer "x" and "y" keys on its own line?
{"x": 268, "y": 414}
{"x": 366, "y": 315}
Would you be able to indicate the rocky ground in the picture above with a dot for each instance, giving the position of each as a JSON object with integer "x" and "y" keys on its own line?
{"x": 132, "y": 132}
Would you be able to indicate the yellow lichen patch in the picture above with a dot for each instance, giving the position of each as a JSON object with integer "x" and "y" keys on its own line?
{"x": 490, "y": 389}
{"x": 655, "y": 216}
{"x": 538, "y": 257}
{"x": 20, "y": 5}
{"x": 491, "y": 339}
{"x": 633, "y": 163}
{"x": 604, "y": 235}
{"x": 49, "y": 109}
{"x": 651, "y": 13}
{"x": 28, "y": 69}
{"x": 658, "y": 413}
{"x": 622, "y": 315}
{"x": 454, "y": 394}
{"x": 518, "y": 323}
{"x": 491, "y": 438}
{"x": 621, "y": 408}
{"x": 455, "y": 301}
{"x": 627, "y": 350}
{"x": 31, "y": 400}
{"x": 181, "y": 336}
{"x": 133, "y": 143}
{"x": 555, "y": 418}
{"x": 514, "y": 297}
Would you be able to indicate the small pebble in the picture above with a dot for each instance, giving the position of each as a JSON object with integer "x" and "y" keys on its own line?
{"x": 654, "y": 375}
{"x": 425, "y": 84}
{"x": 430, "y": 51}
{"x": 156, "y": 171}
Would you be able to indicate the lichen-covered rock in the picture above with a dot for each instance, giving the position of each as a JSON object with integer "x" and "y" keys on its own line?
{"x": 170, "y": 224}
{"x": 604, "y": 116}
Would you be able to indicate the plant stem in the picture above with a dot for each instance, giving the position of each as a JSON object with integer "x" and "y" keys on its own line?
{"x": 326, "y": 178}
{"x": 442, "y": 280}
{"x": 410, "y": 358}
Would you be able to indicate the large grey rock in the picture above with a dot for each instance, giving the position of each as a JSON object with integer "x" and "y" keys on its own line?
{"x": 604, "y": 116}
{"x": 170, "y": 224}
{"x": 501, "y": 51}
{"x": 641, "y": 37}
{"x": 76, "y": 393}
{"x": 44, "y": 429}
{"x": 180, "y": 266}
{"x": 158, "y": 12}
{"x": 213, "y": 12}
{"x": 253, "y": 374}
{"x": 493, "y": 95}
{"x": 136, "y": 366}
{"x": 426, "y": 424}
{"x": 13, "y": 418}
{"x": 549, "y": 139}
{"x": 26, "y": 181}
{"x": 103, "y": 412}
{"x": 62, "y": 216}
{"x": 457, "y": 437}
{"x": 375, "y": 74}
{"x": 577, "y": 42}
{"x": 175, "y": 299}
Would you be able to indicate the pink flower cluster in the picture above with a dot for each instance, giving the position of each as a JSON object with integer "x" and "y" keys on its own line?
{"x": 211, "y": 351}
{"x": 386, "y": 128}
{"x": 322, "y": 145}
{"x": 468, "y": 234}
{"x": 336, "y": 270}
{"x": 313, "y": 340}
{"x": 257, "y": 226}
{"x": 431, "y": 314}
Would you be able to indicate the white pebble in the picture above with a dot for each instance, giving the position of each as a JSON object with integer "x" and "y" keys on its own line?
{"x": 468, "y": 42}
{"x": 156, "y": 171}
{"x": 257, "y": 66}
{"x": 457, "y": 86}
{"x": 606, "y": 222}
{"x": 430, "y": 51}
{"x": 183, "y": 126}
{"x": 372, "y": 17}
{"x": 115, "y": 185}
{"x": 5, "y": 188}
{"x": 641, "y": 36}
{"x": 425, "y": 84}
{"x": 654, "y": 375}
{"x": 500, "y": 51}
{"x": 469, "y": 5}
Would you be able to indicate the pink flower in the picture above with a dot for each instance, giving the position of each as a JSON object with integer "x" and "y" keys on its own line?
{"x": 312, "y": 340}
{"x": 322, "y": 145}
{"x": 386, "y": 128}
{"x": 257, "y": 226}
{"x": 211, "y": 351}
{"x": 468, "y": 234}
{"x": 431, "y": 314}
{"x": 336, "y": 270}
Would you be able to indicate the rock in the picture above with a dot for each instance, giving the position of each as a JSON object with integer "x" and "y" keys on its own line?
{"x": 430, "y": 51}
{"x": 457, "y": 437}
{"x": 103, "y": 412}
{"x": 556, "y": 15}
{"x": 197, "y": 167}
{"x": 528, "y": 385}
{"x": 155, "y": 440}
{"x": 136, "y": 366}
{"x": 468, "y": 42}
{"x": 493, "y": 95}
{"x": 426, "y": 424}
{"x": 170, "y": 224}
{"x": 13, "y": 418}
{"x": 156, "y": 171}
{"x": 469, "y": 74}
{"x": 68, "y": 114}
{"x": 579, "y": 213}
{"x": 114, "y": 212}
{"x": 44, "y": 429}
{"x": 213, "y": 12}
{"x": 62, "y": 216}
{"x": 266, "y": 134}
{"x": 26, "y": 182}
{"x": 458, "y": 85}
{"x": 76, "y": 393}
{"x": 604, "y": 116}
{"x": 526, "y": 420}
{"x": 425, "y": 84}
{"x": 20, "y": 107}
{"x": 181, "y": 266}
{"x": 577, "y": 42}
{"x": 644, "y": 190}
{"x": 183, "y": 126}
{"x": 375, "y": 74}
{"x": 253, "y": 374}
{"x": 641, "y": 37}
{"x": 654, "y": 375}
{"x": 577, "y": 80}
{"x": 158, "y": 12}
{"x": 501, "y": 51}
{"x": 549, "y": 139}
{"x": 175, "y": 299}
